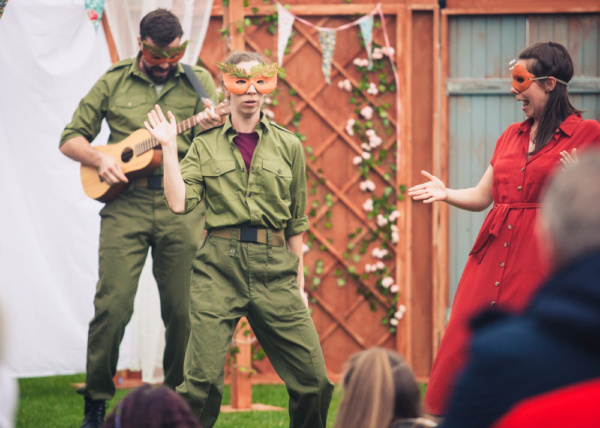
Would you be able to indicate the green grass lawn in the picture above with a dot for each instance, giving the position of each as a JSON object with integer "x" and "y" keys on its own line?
{"x": 51, "y": 402}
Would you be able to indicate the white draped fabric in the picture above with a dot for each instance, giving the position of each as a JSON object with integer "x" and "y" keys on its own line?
{"x": 124, "y": 17}
{"x": 50, "y": 56}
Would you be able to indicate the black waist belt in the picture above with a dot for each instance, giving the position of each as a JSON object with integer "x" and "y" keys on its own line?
{"x": 151, "y": 181}
{"x": 250, "y": 234}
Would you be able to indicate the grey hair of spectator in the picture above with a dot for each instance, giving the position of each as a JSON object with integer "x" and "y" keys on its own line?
{"x": 570, "y": 220}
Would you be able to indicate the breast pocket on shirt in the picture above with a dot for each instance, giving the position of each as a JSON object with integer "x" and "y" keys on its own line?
{"x": 182, "y": 107}
{"x": 221, "y": 183}
{"x": 129, "y": 112}
{"x": 277, "y": 179}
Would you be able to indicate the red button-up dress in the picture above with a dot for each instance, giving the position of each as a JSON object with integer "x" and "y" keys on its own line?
{"x": 504, "y": 267}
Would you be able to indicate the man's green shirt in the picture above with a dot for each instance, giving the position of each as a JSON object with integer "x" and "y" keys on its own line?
{"x": 273, "y": 195}
{"x": 124, "y": 95}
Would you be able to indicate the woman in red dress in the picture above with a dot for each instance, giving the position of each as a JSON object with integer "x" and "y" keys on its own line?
{"x": 504, "y": 267}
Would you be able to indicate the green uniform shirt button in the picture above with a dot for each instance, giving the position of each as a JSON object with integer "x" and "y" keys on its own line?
{"x": 270, "y": 252}
{"x": 217, "y": 170}
{"x": 232, "y": 251}
{"x": 278, "y": 171}
{"x": 255, "y": 216}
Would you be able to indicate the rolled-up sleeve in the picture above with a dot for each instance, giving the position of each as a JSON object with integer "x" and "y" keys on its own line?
{"x": 299, "y": 221}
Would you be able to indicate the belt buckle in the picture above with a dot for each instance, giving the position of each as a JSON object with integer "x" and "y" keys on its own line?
{"x": 154, "y": 182}
{"x": 248, "y": 234}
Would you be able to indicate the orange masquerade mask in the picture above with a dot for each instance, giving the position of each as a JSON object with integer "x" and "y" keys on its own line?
{"x": 522, "y": 79}
{"x": 154, "y": 55}
{"x": 262, "y": 76}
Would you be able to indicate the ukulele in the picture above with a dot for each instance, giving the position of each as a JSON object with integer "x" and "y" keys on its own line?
{"x": 139, "y": 155}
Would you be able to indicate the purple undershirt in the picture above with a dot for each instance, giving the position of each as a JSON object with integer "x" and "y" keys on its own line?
{"x": 246, "y": 144}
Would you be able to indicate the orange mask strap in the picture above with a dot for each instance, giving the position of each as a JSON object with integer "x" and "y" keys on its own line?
{"x": 522, "y": 79}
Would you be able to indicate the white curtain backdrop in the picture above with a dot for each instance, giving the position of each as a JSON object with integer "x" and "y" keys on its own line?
{"x": 50, "y": 56}
{"x": 124, "y": 18}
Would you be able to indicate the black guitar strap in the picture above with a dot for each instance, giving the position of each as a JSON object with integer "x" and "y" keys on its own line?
{"x": 196, "y": 82}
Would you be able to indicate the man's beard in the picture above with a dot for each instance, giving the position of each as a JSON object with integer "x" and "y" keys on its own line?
{"x": 159, "y": 78}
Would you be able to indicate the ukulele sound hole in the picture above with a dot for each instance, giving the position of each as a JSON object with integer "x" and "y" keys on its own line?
{"x": 126, "y": 155}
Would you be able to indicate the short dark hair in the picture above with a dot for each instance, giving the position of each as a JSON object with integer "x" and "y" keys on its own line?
{"x": 161, "y": 26}
{"x": 151, "y": 406}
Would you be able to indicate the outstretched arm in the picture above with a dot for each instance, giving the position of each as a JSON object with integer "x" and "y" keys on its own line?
{"x": 475, "y": 198}
{"x": 165, "y": 131}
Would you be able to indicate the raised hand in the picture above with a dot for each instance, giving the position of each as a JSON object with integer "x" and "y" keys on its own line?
{"x": 433, "y": 190}
{"x": 568, "y": 159}
{"x": 165, "y": 131}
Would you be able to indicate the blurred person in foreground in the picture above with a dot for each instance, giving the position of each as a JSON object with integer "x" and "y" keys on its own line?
{"x": 151, "y": 407}
{"x": 555, "y": 341}
{"x": 380, "y": 391}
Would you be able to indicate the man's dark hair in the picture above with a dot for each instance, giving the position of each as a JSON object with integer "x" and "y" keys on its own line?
{"x": 161, "y": 26}
{"x": 151, "y": 406}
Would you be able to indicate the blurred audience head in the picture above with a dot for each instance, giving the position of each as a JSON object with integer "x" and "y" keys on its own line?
{"x": 570, "y": 219}
{"x": 152, "y": 407}
{"x": 379, "y": 388}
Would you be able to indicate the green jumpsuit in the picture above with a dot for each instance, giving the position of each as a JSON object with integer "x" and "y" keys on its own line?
{"x": 233, "y": 278}
{"x": 138, "y": 220}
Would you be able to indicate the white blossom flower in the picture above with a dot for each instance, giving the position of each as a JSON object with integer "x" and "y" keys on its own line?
{"x": 393, "y": 321}
{"x": 345, "y": 85}
{"x": 381, "y": 220}
{"x": 393, "y": 216}
{"x": 387, "y": 282}
{"x": 369, "y": 268}
{"x": 379, "y": 253}
{"x": 380, "y": 265}
{"x": 367, "y": 186}
{"x": 269, "y": 113}
{"x": 268, "y": 100}
{"x": 400, "y": 312}
{"x": 305, "y": 248}
{"x": 357, "y": 160}
{"x": 370, "y": 132}
{"x": 388, "y": 51}
{"x": 395, "y": 237}
{"x": 377, "y": 53}
{"x": 361, "y": 62}
{"x": 368, "y": 205}
{"x": 350, "y": 126}
{"x": 394, "y": 227}
{"x": 365, "y": 147}
{"x": 375, "y": 141}
{"x": 372, "y": 89}
{"x": 367, "y": 112}
{"x": 366, "y": 155}
{"x": 394, "y": 288}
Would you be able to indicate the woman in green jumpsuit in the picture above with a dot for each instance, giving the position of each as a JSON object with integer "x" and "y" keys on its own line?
{"x": 251, "y": 174}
